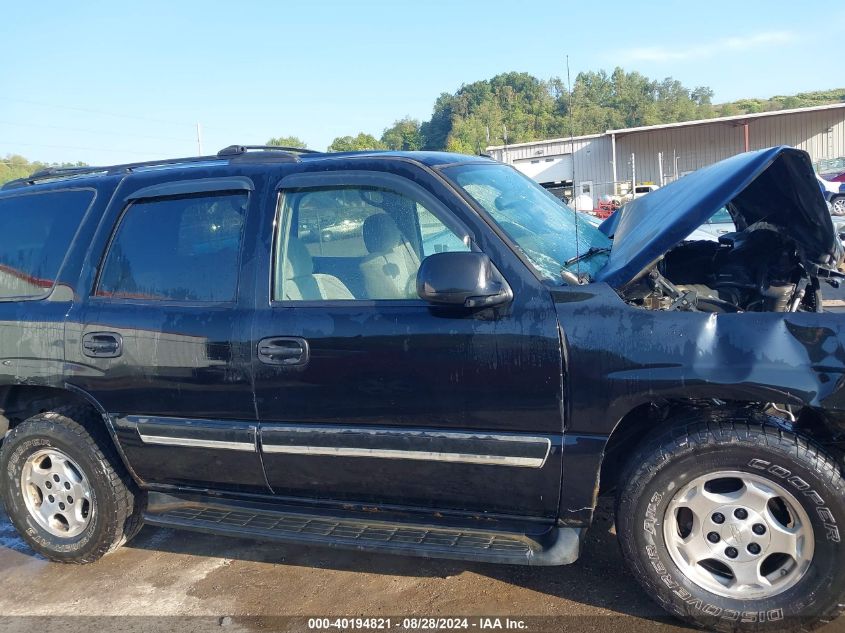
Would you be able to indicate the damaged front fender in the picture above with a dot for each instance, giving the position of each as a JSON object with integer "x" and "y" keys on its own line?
{"x": 620, "y": 357}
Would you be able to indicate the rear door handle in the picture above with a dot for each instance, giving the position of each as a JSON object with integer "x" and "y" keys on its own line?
{"x": 283, "y": 350}
{"x": 102, "y": 345}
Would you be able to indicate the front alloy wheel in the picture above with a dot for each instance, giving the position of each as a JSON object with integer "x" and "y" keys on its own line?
{"x": 735, "y": 524}
{"x": 739, "y": 535}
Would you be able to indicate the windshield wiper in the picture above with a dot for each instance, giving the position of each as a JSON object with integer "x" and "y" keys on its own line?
{"x": 593, "y": 250}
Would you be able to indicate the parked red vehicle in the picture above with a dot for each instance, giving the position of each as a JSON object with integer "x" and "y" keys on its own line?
{"x": 605, "y": 208}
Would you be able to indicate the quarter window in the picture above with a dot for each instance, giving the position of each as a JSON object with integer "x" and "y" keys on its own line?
{"x": 37, "y": 230}
{"x": 182, "y": 248}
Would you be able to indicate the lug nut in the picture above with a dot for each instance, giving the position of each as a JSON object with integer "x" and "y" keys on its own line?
{"x": 61, "y": 505}
{"x": 713, "y": 537}
{"x": 759, "y": 529}
{"x": 718, "y": 517}
{"x": 753, "y": 548}
{"x": 741, "y": 513}
{"x": 48, "y": 485}
{"x": 56, "y": 478}
{"x": 731, "y": 552}
{"x": 51, "y": 498}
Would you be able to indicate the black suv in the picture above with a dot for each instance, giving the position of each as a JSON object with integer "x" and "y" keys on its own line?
{"x": 428, "y": 354}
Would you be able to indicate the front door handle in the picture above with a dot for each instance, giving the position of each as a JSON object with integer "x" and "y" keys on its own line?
{"x": 283, "y": 350}
{"x": 102, "y": 345}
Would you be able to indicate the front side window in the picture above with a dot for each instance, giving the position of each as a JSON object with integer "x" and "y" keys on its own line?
{"x": 354, "y": 242}
{"x": 542, "y": 226}
{"x": 35, "y": 233}
{"x": 181, "y": 248}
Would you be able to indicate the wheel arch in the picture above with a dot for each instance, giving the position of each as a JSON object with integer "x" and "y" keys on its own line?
{"x": 638, "y": 424}
{"x": 20, "y": 402}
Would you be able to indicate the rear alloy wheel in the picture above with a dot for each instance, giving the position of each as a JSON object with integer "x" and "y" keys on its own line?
{"x": 736, "y": 526}
{"x": 57, "y": 493}
{"x": 838, "y": 204}
{"x": 65, "y": 489}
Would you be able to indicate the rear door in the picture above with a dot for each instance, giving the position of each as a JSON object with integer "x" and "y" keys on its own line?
{"x": 366, "y": 394}
{"x": 161, "y": 341}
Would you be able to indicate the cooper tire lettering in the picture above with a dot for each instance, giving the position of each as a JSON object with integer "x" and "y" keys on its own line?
{"x": 807, "y": 478}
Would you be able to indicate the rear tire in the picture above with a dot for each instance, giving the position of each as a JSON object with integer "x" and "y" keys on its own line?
{"x": 65, "y": 489}
{"x": 735, "y": 526}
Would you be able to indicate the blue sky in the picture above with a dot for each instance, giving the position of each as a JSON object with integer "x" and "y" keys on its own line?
{"x": 106, "y": 82}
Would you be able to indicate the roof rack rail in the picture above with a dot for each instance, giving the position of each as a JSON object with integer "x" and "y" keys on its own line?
{"x": 237, "y": 150}
{"x": 227, "y": 152}
{"x": 59, "y": 172}
{"x": 49, "y": 172}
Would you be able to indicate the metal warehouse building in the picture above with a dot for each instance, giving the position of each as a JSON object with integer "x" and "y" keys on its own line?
{"x": 606, "y": 164}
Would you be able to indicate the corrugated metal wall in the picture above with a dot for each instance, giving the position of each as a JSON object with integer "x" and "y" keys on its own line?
{"x": 820, "y": 132}
{"x": 593, "y": 157}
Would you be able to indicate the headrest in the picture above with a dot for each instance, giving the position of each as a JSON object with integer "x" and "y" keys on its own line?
{"x": 298, "y": 262}
{"x": 381, "y": 233}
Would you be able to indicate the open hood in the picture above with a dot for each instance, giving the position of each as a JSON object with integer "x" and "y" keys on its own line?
{"x": 775, "y": 185}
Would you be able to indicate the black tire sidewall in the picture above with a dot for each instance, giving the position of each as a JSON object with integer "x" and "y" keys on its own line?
{"x": 641, "y": 535}
{"x": 23, "y": 442}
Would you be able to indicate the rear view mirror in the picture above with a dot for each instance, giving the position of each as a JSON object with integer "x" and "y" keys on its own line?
{"x": 462, "y": 279}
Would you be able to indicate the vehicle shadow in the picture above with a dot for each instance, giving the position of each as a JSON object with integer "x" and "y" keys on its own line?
{"x": 598, "y": 579}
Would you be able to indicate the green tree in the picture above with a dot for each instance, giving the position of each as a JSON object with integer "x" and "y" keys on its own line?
{"x": 356, "y": 143}
{"x": 14, "y": 166}
{"x": 403, "y": 135}
{"x": 287, "y": 141}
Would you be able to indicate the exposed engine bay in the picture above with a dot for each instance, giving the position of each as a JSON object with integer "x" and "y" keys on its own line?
{"x": 782, "y": 246}
{"x": 759, "y": 269}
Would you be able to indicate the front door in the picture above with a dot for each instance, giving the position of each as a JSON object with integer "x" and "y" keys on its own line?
{"x": 365, "y": 393}
{"x": 162, "y": 341}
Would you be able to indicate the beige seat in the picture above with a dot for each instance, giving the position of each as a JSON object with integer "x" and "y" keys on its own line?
{"x": 390, "y": 270}
{"x": 300, "y": 283}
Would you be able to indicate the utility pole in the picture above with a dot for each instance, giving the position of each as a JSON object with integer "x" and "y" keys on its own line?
{"x": 199, "y": 139}
{"x": 633, "y": 173}
{"x": 660, "y": 167}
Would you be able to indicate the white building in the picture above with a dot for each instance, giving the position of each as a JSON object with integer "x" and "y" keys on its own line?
{"x": 606, "y": 164}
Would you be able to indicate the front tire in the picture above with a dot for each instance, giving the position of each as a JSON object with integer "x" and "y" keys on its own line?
{"x": 64, "y": 488}
{"x": 736, "y": 527}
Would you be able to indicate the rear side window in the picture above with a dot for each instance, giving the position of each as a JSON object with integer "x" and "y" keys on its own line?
{"x": 35, "y": 233}
{"x": 181, "y": 248}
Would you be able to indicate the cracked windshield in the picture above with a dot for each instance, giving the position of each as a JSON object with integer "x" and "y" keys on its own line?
{"x": 541, "y": 225}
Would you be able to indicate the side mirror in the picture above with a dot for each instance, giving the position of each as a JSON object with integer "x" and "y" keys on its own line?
{"x": 462, "y": 279}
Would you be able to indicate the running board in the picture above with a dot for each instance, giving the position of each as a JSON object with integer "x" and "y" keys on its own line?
{"x": 311, "y": 526}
